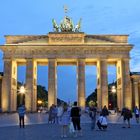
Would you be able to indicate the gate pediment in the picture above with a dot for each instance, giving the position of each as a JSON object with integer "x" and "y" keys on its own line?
{"x": 66, "y": 38}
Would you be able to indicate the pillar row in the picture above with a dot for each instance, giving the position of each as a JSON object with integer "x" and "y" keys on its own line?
{"x": 136, "y": 95}
{"x": 102, "y": 83}
{"x": 81, "y": 82}
{"x": 9, "y": 86}
{"x": 31, "y": 88}
{"x": 52, "y": 78}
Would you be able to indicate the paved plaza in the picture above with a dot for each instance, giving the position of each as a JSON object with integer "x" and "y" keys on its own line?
{"x": 37, "y": 128}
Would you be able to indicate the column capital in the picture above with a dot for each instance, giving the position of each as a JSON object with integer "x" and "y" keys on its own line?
{"x": 81, "y": 59}
{"x": 101, "y": 59}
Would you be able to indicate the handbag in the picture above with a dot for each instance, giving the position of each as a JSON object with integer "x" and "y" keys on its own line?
{"x": 71, "y": 128}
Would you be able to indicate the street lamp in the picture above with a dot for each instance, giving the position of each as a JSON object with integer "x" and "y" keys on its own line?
{"x": 113, "y": 91}
{"x": 22, "y": 92}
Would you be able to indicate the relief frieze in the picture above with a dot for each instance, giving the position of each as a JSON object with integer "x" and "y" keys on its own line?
{"x": 72, "y": 40}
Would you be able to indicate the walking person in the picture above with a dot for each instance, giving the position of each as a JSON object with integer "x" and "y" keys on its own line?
{"x": 137, "y": 113}
{"x": 21, "y": 112}
{"x": 64, "y": 121}
{"x": 75, "y": 118}
{"x": 127, "y": 115}
{"x": 92, "y": 114}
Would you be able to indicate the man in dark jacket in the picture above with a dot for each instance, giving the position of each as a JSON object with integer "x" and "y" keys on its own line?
{"x": 127, "y": 114}
{"x": 75, "y": 117}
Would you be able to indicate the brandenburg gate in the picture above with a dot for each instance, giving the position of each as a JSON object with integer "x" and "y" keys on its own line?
{"x": 65, "y": 48}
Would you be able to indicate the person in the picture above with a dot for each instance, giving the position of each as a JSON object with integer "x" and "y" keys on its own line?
{"x": 75, "y": 118}
{"x": 126, "y": 113}
{"x": 64, "y": 121}
{"x": 137, "y": 113}
{"x": 105, "y": 111}
{"x": 21, "y": 112}
{"x": 59, "y": 112}
{"x": 54, "y": 112}
{"x": 92, "y": 114}
{"x": 51, "y": 115}
{"x": 102, "y": 122}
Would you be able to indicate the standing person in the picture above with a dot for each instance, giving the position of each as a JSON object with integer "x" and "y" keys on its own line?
{"x": 51, "y": 115}
{"x": 75, "y": 118}
{"x": 64, "y": 121}
{"x": 59, "y": 112}
{"x": 21, "y": 112}
{"x": 137, "y": 113}
{"x": 126, "y": 113}
{"x": 54, "y": 111}
{"x": 105, "y": 111}
{"x": 92, "y": 114}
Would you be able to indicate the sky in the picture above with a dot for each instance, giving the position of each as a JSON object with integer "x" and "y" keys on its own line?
{"x": 33, "y": 17}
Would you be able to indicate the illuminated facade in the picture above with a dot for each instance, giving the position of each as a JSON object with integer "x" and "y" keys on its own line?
{"x": 65, "y": 48}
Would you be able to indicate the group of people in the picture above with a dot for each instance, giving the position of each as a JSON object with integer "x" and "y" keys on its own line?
{"x": 66, "y": 116}
{"x": 126, "y": 113}
{"x": 69, "y": 117}
{"x": 102, "y": 121}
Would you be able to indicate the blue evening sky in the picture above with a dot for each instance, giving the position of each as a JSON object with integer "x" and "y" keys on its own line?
{"x": 27, "y": 17}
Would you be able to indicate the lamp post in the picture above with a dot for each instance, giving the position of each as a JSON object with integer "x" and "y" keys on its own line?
{"x": 22, "y": 91}
{"x": 113, "y": 91}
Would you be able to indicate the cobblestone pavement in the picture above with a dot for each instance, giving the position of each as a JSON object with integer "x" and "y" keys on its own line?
{"x": 41, "y": 118}
{"x": 38, "y": 129}
{"x": 52, "y": 132}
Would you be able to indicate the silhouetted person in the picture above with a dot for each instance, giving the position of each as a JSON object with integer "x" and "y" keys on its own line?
{"x": 105, "y": 111}
{"x": 21, "y": 112}
{"x": 126, "y": 113}
{"x": 75, "y": 117}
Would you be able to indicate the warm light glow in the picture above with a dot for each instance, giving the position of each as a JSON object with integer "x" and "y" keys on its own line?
{"x": 113, "y": 90}
{"x": 22, "y": 90}
{"x": 39, "y": 102}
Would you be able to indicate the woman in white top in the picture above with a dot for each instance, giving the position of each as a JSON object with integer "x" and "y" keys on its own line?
{"x": 102, "y": 122}
{"x": 64, "y": 121}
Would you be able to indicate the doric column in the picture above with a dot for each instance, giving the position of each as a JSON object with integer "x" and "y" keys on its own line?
{"x": 124, "y": 93}
{"x": 31, "y": 88}
{"x": 9, "y": 86}
{"x": 102, "y": 83}
{"x": 136, "y": 93}
{"x": 127, "y": 84}
{"x": 52, "y": 88}
{"x": 120, "y": 83}
{"x": 81, "y": 82}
